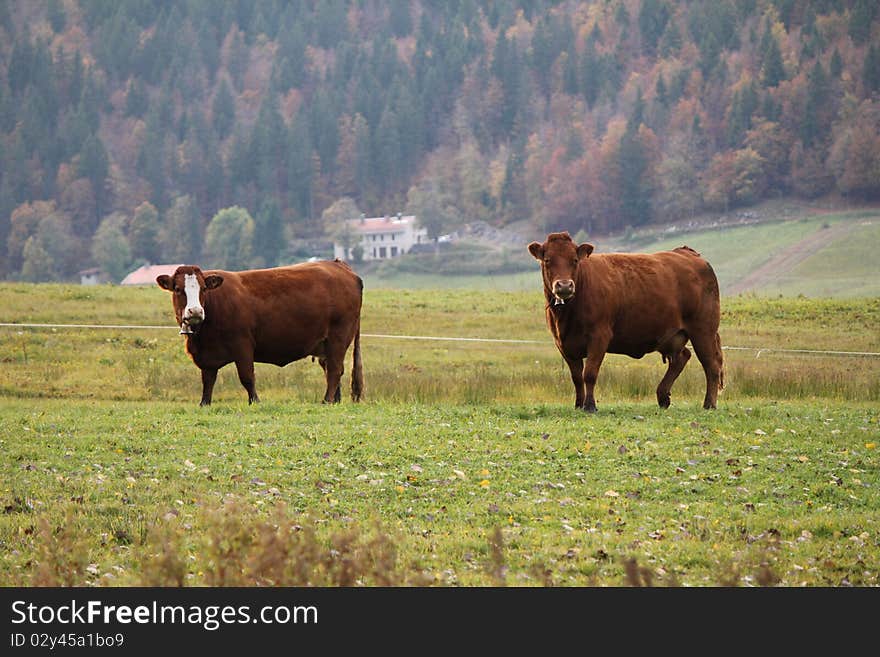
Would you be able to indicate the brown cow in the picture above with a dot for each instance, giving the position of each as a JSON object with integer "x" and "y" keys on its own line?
{"x": 633, "y": 304}
{"x": 273, "y": 316}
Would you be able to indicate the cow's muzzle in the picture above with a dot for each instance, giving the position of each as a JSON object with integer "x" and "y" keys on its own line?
{"x": 563, "y": 290}
{"x": 192, "y": 320}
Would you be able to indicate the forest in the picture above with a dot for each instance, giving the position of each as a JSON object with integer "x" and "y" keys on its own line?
{"x": 231, "y": 132}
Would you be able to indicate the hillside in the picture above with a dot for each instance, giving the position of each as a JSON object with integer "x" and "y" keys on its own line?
{"x": 220, "y": 132}
{"x": 774, "y": 249}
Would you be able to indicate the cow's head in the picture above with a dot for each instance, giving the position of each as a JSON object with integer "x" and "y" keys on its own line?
{"x": 187, "y": 286}
{"x": 559, "y": 257}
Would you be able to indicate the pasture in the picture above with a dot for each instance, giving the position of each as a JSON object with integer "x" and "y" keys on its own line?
{"x": 467, "y": 465}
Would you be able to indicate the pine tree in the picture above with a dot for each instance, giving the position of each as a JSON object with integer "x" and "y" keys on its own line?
{"x": 143, "y": 234}
{"x": 592, "y": 75}
{"x": 56, "y": 15}
{"x": 773, "y": 69}
{"x": 818, "y": 92}
{"x": 399, "y": 17}
{"x": 94, "y": 164}
{"x": 223, "y": 110}
{"x": 268, "y": 241}
{"x": 871, "y": 70}
{"x": 653, "y": 17}
{"x": 860, "y": 18}
{"x": 180, "y": 234}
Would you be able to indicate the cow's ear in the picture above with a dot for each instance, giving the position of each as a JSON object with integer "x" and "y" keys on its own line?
{"x": 213, "y": 281}
{"x": 584, "y": 250}
{"x": 165, "y": 282}
{"x": 537, "y": 250}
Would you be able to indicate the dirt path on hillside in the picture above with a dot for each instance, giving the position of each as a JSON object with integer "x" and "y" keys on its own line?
{"x": 787, "y": 259}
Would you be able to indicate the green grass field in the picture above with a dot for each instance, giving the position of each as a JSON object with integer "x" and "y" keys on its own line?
{"x": 467, "y": 465}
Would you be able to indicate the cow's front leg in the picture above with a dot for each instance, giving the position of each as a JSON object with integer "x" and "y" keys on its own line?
{"x": 595, "y": 355}
{"x": 576, "y": 367}
{"x": 245, "y": 367}
{"x": 209, "y": 376}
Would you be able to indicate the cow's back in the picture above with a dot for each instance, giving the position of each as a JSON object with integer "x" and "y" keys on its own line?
{"x": 644, "y": 297}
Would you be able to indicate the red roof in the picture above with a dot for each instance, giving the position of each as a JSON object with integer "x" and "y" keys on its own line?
{"x": 381, "y": 224}
{"x": 146, "y": 275}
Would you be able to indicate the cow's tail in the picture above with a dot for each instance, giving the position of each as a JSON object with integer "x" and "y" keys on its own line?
{"x": 720, "y": 355}
{"x": 357, "y": 367}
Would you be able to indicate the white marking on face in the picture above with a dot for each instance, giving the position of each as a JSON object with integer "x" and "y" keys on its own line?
{"x": 193, "y": 310}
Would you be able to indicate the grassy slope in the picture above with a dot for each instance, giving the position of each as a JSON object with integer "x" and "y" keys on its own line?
{"x": 104, "y": 446}
{"x": 846, "y": 267}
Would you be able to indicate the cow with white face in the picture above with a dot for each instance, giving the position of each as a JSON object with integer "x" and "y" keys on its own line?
{"x": 188, "y": 285}
{"x": 275, "y": 316}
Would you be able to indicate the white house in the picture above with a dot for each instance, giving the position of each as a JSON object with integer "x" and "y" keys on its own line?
{"x": 382, "y": 237}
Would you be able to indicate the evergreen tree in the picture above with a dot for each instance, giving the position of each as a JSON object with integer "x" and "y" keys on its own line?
{"x": 860, "y": 18}
{"x": 268, "y": 242}
{"x": 653, "y": 17}
{"x": 660, "y": 91}
{"x": 180, "y": 234}
{"x": 871, "y": 70}
{"x": 671, "y": 41}
{"x": 772, "y": 69}
{"x": 387, "y": 149}
{"x": 399, "y": 18}
{"x": 136, "y": 99}
{"x": 94, "y": 164}
{"x": 56, "y": 15}
{"x": 739, "y": 114}
{"x": 635, "y": 201}
{"x": 324, "y": 126}
{"x": 299, "y": 169}
{"x": 835, "y": 66}
{"x": 143, "y": 234}
{"x": 223, "y": 109}
{"x": 818, "y": 94}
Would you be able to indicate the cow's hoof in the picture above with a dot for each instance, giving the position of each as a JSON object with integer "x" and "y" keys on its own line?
{"x": 589, "y": 408}
{"x": 204, "y": 403}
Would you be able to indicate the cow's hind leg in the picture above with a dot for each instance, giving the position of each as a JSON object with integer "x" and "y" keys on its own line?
{"x": 333, "y": 368}
{"x": 707, "y": 346}
{"x": 209, "y": 376}
{"x": 245, "y": 367}
{"x": 337, "y": 397}
{"x": 677, "y": 361}
{"x": 672, "y": 346}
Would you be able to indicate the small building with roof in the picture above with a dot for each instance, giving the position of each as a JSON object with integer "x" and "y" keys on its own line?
{"x": 380, "y": 237}
{"x": 146, "y": 275}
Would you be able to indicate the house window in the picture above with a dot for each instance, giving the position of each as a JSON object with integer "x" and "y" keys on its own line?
{"x": 381, "y": 251}
{"x": 393, "y": 251}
